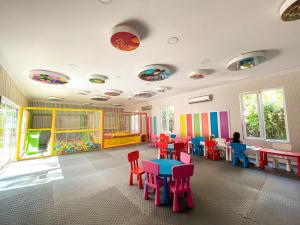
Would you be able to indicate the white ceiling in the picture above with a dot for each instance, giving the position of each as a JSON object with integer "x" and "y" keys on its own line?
{"x": 52, "y": 34}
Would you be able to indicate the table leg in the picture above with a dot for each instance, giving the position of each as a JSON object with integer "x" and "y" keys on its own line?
{"x": 265, "y": 158}
{"x": 166, "y": 191}
{"x": 298, "y": 161}
{"x": 261, "y": 160}
{"x": 257, "y": 159}
{"x": 230, "y": 154}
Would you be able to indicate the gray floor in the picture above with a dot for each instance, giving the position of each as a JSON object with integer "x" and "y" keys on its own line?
{"x": 91, "y": 188}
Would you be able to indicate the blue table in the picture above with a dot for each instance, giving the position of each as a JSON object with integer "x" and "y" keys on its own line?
{"x": 165, "y": 171}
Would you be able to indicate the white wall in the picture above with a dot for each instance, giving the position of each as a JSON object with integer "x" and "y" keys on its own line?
{"x": 226, "y": 97}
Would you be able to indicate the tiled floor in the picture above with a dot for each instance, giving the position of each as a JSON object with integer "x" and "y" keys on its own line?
{"x": 91, "y": 188}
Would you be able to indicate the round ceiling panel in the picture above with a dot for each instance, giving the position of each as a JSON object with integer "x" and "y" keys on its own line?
{"x": 125, "y": 38}
{"x": 246, "y": 61}
{"x": 82, "y": 92}
{"x": 144, "y": 94}
{"x": 290, "y": 10}
{"x": 55, "y": 99}
{"x": 99, "y": 98}
{"x": 97, "y": 79}
{"x": 154, "y": 73}
{"x": 49, "y": 77}
{"x": 199, "y": 74}
{"x": 112, "y": 92}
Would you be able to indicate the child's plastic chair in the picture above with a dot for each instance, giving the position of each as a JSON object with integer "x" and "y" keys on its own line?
{"x": 178, "y": 148}
{"x": 211, "y": 151}
{"x": 133, "y": 158}
{"x": 239, "y": 154}
{"x": 185, "y": 158}
{"x": 162, "y": 150}
{"x": 153, "y": 141}
{"x": 152, "y": 179}
{"x": 172, "y": 136}
{"x": 196, "y": 147}
{"x": 186, "y": 141}
{"x": 181, "y": 184}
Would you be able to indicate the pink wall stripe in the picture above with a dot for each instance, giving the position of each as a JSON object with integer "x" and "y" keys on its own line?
{"x": 205, "y": 125}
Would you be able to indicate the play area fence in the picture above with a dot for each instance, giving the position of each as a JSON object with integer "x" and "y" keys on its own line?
{"x": 57, "y": 131}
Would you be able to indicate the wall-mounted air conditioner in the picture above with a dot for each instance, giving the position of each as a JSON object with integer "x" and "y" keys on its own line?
{"x": 146, "y": 108}
{"x": 203, "y": 98}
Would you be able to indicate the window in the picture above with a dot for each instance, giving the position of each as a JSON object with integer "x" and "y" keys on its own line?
{"x": 167, "y": 119}
{"x": 8, "y": 129}
{"x": 264, "y": 116}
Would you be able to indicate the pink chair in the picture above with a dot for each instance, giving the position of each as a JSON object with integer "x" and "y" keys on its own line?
{"x": 152, "y": 179}
{"x": 186, "y": 141}
{"x": 133, "y": 158}
{"x": 178, "y": 140}
{"x": 181, "y": 184}
{"x": 153, "y": 140}
{"x": 185, "y": 158}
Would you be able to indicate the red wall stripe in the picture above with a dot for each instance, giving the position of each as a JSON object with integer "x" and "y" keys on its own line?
{"x": 205, "y": 125}
{"x": 189, "y": 125}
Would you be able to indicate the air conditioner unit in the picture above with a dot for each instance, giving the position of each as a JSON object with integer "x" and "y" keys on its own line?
{"x": 203, "y": 98}
{"x": 146, "y": 108}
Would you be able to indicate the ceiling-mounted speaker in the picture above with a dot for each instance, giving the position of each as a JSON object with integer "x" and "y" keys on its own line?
{"x": 204, "y": 98}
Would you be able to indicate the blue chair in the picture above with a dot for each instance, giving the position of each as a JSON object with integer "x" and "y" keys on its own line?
{"x": 197, "y": 149}
{"x": 239, "y": 154}
{"x": 202, "y": 139}
{"x": 173, "y": 136}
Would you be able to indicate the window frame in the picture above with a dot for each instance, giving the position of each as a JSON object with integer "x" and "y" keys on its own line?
{"x": 161, "y": 121}
{"x": 262, "y": 117}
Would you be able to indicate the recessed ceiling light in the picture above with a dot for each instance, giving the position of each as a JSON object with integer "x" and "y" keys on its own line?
{"x": 105, "y": 1}
{"x": 162, "y": 89}
{"x": 201, "y": 73}
{"x": 290, "y": 10}
{"x": 173, "y": 40}
{"x": 72, "y": 65}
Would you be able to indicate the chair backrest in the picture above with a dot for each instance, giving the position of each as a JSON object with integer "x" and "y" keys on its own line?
{"x": 133, "y": 159}
{"x": 162, "y": 145}
{"x": 282, "y": 146}
{"x": 162, "y": 135}
{"x": 238, "y": 149}
{"x": 152, "y": 171}
{"x": 210, "y": 145}
{"x": 154, "y": 136}
{"x": 181, "y": 175}
{"x": 179, "y": 146}
{"x": 173, "y": 136}
{"x": 185, "y": 158}
{"x": 202, "y": 139}
{"x": 187, "y": 138}
{"x": 195, "y": 141}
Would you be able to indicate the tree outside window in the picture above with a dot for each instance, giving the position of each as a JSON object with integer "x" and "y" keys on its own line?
{"x": 167, "y": 119}
{"x": 263, "y": 115}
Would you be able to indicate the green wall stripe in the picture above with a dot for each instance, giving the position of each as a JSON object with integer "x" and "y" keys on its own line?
{"x": 196, "y": 118}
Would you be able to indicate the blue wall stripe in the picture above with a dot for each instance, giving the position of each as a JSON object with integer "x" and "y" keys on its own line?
{"x": 154, "y": 125}
{"x": 214, "y": 128}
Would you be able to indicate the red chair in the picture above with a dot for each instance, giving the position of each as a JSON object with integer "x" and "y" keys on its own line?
{"x": 185, "y": 158}
{"x": 163, "y": 150}
{"x": 211, "y": 152}
{"x": 178, "y": 148}
{"x": 164, "y": 138}
{"x": 181, "y": 184}
{"x": 186, "y": 141}
{"x": 152, "y": 179}
{"x": 134, "y": 168}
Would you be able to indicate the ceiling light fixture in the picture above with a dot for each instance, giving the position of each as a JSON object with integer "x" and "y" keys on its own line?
{"x": 98, "y": 79}
{"x": 246, "y": 61}
{"x": 290, "y": 10}
{"x": 118, "y": 104}
{"x": 55, "y": 99}
{"x": 99, "y": 98}
{"x": 199, "y": 74}
{"x": 82, "y": 92}
{"x": 112, "y": 92}
{"x": 173, "y": 40}
{"x": 144, "y": 94}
